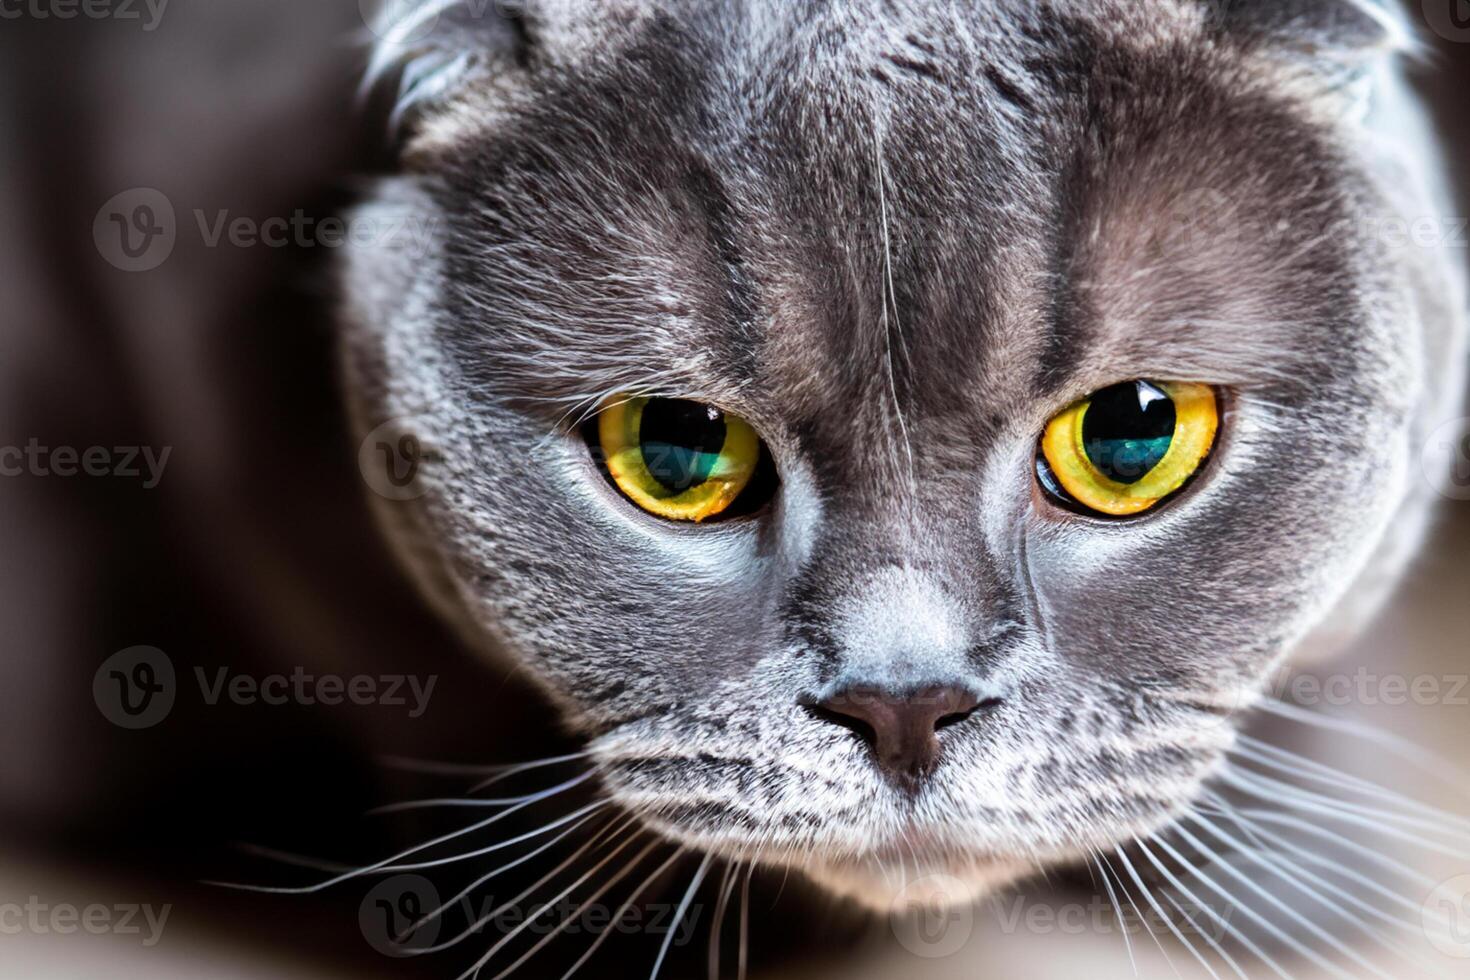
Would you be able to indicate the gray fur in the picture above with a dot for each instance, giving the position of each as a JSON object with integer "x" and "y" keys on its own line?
{"x": 898, "y": 237}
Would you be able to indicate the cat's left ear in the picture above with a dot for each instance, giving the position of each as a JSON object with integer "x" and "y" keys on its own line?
{"x": 424, "y": 52}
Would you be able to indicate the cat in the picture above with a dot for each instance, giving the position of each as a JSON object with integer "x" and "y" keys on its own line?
{"x": 898, "y": 240}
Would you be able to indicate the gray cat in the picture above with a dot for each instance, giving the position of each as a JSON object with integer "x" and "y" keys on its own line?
{"x": 903, "y": 436}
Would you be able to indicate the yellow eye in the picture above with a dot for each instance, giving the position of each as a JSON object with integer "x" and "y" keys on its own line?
{"x": 1126, "y": 448}
{"x": 681, "y": 460}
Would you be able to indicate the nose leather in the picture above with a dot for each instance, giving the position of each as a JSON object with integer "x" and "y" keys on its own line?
{"x": 901, "y": 730}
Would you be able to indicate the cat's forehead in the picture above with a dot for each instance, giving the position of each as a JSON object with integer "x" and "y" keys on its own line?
{"x": 956, "y": 208}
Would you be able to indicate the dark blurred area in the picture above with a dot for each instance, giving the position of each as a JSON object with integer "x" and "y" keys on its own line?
{"x": 251, "y": 547}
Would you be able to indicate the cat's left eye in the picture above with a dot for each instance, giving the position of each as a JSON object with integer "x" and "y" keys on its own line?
{"x": 1127, "y": 448}
{"x": 682, "y": 460}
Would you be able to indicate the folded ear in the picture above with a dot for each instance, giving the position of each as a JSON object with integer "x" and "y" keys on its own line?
{"x": 1333, "y": 48}
{"x": 424, "y": 51}
{"x": 1349, "y": 29}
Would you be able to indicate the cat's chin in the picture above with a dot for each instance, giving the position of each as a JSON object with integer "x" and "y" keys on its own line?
{"x": 894, "y": 887}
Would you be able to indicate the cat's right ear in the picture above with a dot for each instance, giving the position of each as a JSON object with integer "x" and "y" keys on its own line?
{"x": 425, "y": 53}
{"x": 1334, "y": 47}
{"x": 1332, "y": 29}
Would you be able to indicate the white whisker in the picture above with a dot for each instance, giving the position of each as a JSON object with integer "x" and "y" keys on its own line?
{"x": 1283, "y": 761}
{"x": 445, "y": 906}
{"x": 679, "y": 915}
{"x": 1301, "y": 874}
{"x": 607, "y": 886}
{"x": 389, "y": 862}
{"x": 1235, "y": 933}
{"x": 530, "y": 920}
{"x": 622, "y": 911}
{"x": 1277, "y": 904}
{"x": 1148, "y": 896}
{"x": 295, "y": 860}
{"x": 1335, "y": 867}
{"x": 1117, "y": 910}
{"x": 745, "y": 924}
{"x": 1367, "y": 853}
{"x": 727, "y": 888}
{"x": 447, "y": 803}
{"x": 1267, "y": 787}
{"x": 1224, "y": 923}
{"x": 1139, "y": 914}
{"x": 499, "y": 845}
{"x": 1431, "y": 763}
{"x": 433, "y": 768}
{"x": 1323, "y": 808}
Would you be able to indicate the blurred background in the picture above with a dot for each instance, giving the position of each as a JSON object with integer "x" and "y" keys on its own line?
{"x": 181, "y": 497}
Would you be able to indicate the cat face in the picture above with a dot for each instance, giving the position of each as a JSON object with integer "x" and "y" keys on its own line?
{"x": 896, "y": 243}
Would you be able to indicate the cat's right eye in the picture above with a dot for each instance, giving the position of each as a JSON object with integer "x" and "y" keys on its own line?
{"x": 682, "y": 460}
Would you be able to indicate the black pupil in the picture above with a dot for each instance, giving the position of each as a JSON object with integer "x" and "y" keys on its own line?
{"x": 681, "y": 442}
{"x": 1128, "y": 429}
